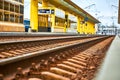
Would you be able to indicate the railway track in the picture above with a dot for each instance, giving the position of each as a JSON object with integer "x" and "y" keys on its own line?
{"x": 4, "y": 37}
{"x": 7, "y": 37}
{"x": 62, "y": 63}
{"x": 18, "y": 48}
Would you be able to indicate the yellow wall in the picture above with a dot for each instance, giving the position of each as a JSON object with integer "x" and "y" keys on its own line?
{"x": 87, "y": 28}
{"x": 59, "y": 29}
{"x": 90, "y": 28}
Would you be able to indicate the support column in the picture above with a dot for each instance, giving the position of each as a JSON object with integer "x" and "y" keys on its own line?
{"x": 94, "y": 29}
{"x": 83, "y": 28}
{"x": 34, "y": 15}
{"x": 66, "y": 22}
{"x": 46, "y": 21}
{"x": 53, "y": 22}
{"x": 86, "y": 28}
{"x": 78, "y": 24}
{"x": 45, "y": 5}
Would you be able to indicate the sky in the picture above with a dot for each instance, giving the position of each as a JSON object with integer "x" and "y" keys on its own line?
{"x": 103, "y": 10}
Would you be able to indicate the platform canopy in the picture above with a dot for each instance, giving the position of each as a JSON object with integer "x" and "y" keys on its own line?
{"x": 72, "y": 8}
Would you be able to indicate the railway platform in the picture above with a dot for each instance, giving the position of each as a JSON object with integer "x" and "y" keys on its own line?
{"x": 110, "y": 69}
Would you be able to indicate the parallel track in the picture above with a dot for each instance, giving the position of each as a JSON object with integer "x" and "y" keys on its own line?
{"x": 13, "y": 49}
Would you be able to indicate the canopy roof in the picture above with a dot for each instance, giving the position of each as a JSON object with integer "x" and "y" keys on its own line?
{"x": 72, "y": 8}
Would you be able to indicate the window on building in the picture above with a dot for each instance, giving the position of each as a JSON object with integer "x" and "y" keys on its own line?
{"x": 16, "y": 0}
{"x": 1, "y": 4}
{"x": 17, "y": 8}
{"x": 6, "y": 5}
{"x": 6, "y": 16}
{"x": 21, "y": 1}
{"x": 1, "y": 16}
{"x": 21, "y": 9}
{"x": 11, "y": 17}
{"x": 16, "y": 19}
{"x": 21, "y": 19}
{"x": 12, "y": 7}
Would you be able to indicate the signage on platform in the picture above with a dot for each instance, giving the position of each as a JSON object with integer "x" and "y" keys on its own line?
{"x": 46, "y": 11}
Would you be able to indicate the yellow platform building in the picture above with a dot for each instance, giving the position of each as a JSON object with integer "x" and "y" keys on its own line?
{"x": 11, "y": 15}
{"x": 44, "y": 17}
